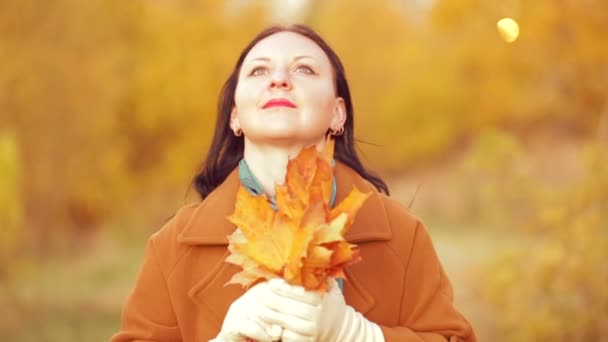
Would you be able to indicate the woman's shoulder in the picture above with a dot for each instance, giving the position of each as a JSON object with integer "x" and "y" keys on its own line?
{"x": 407, "y": 229}
{"x": 399, "y": 214}
{"x": 176, "y": 223}
{"x": 381, "y": 213}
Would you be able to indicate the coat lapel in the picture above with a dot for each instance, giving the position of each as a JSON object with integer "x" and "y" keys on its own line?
{"x": 211, "y": 293}
{"x": 371, "y": 223}
{"x": 209, "y": 226}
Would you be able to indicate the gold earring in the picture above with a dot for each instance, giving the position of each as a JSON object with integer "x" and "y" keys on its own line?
{"x": 238, "y": 132}
{"x": 337, "y": 132}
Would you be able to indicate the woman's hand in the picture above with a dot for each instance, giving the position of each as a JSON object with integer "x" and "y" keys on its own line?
{"x": 243, "y": 323}
{"x": 309, "y": 316}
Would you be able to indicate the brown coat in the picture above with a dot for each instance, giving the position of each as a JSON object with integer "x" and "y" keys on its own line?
{"x": 180, "y": 295}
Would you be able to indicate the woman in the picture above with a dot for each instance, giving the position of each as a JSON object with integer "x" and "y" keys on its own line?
{"x": 288, "y": 91}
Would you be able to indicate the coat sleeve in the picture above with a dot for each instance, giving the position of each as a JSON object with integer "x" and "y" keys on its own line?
{"x": 427, "y": 309}
{"x": 148, "y": 314}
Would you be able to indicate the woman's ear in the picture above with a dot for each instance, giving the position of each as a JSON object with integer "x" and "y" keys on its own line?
{"x": 339, "y": 114}
{"x": 234, "y": 120}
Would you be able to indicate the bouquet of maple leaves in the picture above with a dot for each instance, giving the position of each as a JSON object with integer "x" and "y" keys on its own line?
{"x": 301, "y": 241}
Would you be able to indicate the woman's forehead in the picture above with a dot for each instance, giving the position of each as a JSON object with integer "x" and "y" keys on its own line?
{"x": 286, "y": 45}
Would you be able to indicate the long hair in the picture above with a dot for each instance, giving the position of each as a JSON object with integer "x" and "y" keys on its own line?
{"x": 226, "y": 149}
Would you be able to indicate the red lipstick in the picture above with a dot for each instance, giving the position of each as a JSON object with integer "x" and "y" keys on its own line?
{"x": 279, "y": 103}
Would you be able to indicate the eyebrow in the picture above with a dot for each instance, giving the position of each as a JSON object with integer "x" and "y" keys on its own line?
{"x": 267, "y": 59}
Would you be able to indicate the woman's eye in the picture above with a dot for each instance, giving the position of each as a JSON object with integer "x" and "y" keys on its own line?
{"x": 305, "y": 68}
{"x": 258, "y": 71}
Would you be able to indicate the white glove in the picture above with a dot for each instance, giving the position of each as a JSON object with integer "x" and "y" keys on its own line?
{"x": 242, "y": 320}
{"x": 317, "y": 318}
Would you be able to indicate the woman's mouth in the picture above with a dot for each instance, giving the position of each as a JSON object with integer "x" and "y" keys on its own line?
{"x": 279, "y": 103}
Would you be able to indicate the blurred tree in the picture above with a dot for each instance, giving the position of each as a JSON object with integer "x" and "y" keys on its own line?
{"x": 110, "y": 93}
{"x": 61, "y": 82}
{"x": 559, "y": 285}
{"x": 551, "y": 76}
{"x": 11, "y": 214}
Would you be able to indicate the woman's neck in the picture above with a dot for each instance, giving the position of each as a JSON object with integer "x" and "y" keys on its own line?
{"x": 268, "y": 162}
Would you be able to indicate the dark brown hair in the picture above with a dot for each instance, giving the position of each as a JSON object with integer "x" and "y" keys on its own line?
{"x": 226, "y": 149}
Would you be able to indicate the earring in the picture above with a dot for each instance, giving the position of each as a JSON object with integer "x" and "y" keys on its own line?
{"x": 337, "y": 132}
{"x": 238, "y": 132}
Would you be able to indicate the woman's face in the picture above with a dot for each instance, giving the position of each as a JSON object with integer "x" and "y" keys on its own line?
{"x": 285, "y": 92}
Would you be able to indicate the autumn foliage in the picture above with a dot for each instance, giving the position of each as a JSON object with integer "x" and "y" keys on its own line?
{"x": 302, "y": 240}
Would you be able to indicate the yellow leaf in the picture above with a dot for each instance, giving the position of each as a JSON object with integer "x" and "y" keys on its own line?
{"x": 350, "y": 205}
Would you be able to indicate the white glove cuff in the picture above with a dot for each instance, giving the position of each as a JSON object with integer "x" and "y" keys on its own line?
{"x": 357, "y": 328}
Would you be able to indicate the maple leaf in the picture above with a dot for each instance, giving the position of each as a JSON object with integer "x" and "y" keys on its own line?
{"x": 303, "y": 240}
{"x": 265, "y": 236}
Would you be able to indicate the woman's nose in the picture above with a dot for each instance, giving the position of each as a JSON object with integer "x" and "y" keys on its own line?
{"x": 280, "y": 79}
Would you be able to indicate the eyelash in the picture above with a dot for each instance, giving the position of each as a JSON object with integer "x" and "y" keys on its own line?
{"x": 254, "y": 71}
{"x": 310, "y": 70}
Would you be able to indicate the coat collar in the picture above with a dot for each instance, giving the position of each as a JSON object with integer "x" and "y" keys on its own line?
{"x": 209, "y": 223}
